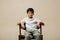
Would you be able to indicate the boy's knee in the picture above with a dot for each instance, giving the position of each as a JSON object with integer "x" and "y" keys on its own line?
{"x": 27, "y": 35}
{"x": 37, "y": 34}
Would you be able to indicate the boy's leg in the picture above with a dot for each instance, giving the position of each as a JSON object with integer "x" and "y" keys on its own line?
{"x": 37, "y": 35}
{"x": 28, "y": 35}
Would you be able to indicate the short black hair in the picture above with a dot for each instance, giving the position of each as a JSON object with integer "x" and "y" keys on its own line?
{"x": 30, "y": 9}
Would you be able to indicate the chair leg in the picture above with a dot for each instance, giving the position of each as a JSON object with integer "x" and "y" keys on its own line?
{"x": 41, "y": 37}
{"x": 19, "y": 38}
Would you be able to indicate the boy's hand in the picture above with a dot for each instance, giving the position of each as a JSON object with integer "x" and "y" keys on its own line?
{"x": 39, "y": 23}
{"x": 18, "y": 22}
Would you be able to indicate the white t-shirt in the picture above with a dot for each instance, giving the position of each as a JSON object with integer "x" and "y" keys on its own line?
{"x": 30, "y": 23}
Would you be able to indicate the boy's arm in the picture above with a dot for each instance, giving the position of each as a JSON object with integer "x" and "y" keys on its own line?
{"x": 38, "y": 24}
{"x": 22, "y": 24}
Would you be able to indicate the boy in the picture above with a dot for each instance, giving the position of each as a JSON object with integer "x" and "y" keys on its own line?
{"x": 31, "y": 25}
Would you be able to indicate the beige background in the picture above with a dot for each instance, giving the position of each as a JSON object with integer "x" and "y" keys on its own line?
{"x": 12, "y": 11}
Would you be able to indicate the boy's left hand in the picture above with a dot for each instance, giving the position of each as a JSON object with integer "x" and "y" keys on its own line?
{"x": 40, "y": 23}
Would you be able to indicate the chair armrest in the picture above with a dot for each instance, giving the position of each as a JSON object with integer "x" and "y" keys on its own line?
{"x": 20, "y": 29}
{"x": 41, "y": 24}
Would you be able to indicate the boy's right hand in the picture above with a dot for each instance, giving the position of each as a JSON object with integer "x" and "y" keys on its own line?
{"x": 19, "y": 22}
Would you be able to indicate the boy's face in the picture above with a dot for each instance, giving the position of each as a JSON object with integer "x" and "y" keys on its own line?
{"x": 30, "y": 14}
